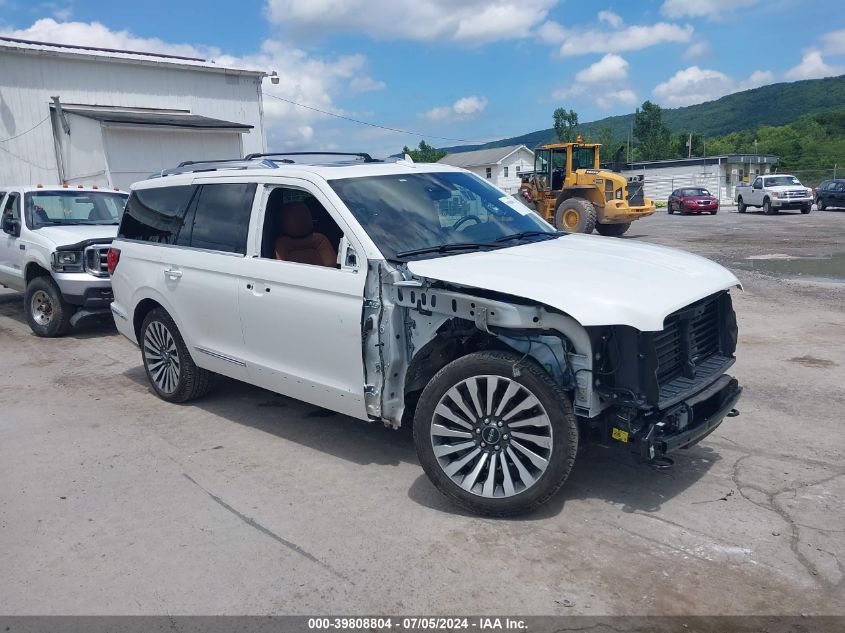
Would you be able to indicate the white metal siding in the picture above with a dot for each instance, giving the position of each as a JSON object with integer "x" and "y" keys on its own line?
{"x": 134, "y": 153}
{"x": 29, "y": 79}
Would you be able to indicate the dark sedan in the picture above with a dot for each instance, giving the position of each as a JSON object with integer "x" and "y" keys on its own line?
{"x": 693, "y": 200}
{"x": 830, "y": 193}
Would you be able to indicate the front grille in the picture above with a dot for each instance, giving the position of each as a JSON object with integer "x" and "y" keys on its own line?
{"x": 798, "y": 193}
{"x": 689, "y": 337}
{"x": 636, "y": 196}
{"x": 97, "y": 260}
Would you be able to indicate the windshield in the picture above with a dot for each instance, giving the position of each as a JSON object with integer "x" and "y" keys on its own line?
{"x": 46, "y": 208}
{"x": 695, "y": 192}
{"x": 404, "y": 213}
{"x": 782, "y": 181}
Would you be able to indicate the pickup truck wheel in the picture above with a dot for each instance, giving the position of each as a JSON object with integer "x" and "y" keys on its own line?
{"x": 47, "y": 313}
{"x": 806, "y": 210}
{"x": 740, "y": 205}
{"x": 613, "y": 230}
{"x": 768, "y": 209}
{"x": 169, "y": 366}
{"x": 495, "y": 433}
{"x": 575, "y": 215}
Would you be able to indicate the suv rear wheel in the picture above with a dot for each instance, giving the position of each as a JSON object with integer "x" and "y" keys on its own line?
{"x": 169, "y": 366}
{"x": 495, "y": 433}
{"x": 47, "y": 313}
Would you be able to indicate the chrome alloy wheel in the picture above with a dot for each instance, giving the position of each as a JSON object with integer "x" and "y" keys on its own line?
{"x": 42, "y": 308}
{"x": 162, "y": 356}
{"x": 491, "y": 436}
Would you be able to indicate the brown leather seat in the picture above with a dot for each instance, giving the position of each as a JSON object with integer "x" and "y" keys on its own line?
{"x": 298, "y": 242}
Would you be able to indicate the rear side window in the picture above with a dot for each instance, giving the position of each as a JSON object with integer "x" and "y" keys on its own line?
{"x": 219, "y": 218}
{"x": 155, "y": 215}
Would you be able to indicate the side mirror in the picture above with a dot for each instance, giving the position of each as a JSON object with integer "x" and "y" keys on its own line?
{"x": 346, "y": 255}
{"x": 11, "y": 226}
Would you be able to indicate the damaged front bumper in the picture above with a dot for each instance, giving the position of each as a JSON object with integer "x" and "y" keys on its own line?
{"x": 691, "y": 420}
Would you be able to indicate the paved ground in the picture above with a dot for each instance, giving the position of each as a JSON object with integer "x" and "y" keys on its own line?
{"x": 114, "y": 502}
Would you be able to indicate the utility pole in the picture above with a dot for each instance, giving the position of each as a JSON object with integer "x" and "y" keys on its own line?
{"x": 689, "y": 146}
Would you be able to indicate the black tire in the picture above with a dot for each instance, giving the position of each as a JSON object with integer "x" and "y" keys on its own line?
{"x": 47, "y": 312}
{"x": 671, "y": 208}
{"x": 767, "y": 207}
{"x": 740, "y": 205}
{"x": 190, "y": 381}
{"x": 613, "y": 230}
{"x": 553, "y": 401}
{"x": 820, "y": 205}
{"x": 806, "y": 210}
{"x": 575, "y": 215}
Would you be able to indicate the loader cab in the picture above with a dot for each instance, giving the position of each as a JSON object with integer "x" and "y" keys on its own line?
{"x": 555, "y": 165}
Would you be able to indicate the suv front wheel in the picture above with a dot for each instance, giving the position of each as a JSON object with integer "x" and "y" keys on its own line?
{"x": 495, "y": 433}
{"x": 169, "y": 366}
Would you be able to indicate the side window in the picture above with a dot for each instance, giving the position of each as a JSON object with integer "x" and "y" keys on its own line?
{"x": 506, "y": 171}
{"x": 489, "y": 172}
{"x": 758, "y": 183}
{"x": 155, "y": 215}
{"x": 12, "y": 206}
{"x": 219, "y": 218}
{"x": 298, "y": 228}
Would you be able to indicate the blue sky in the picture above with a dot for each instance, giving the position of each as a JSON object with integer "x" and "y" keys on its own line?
{"x": 463, "y": 69}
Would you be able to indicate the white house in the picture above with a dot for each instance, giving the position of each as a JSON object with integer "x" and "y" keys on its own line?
{"x": 501, "y": 165}
{"x": 110, "y": 118}
{"x": 719, "y": 174}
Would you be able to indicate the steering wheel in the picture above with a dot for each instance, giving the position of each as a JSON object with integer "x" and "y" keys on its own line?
{"x": 465, "y": 219}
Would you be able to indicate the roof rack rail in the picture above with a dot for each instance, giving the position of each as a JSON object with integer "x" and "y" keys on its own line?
{"x": 367, "y": 158}
{"x": 193, "y": 166}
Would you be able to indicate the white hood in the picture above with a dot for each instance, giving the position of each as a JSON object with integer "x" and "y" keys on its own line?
{"x": 72, "y": 234}
{"x": 595, "y": 280}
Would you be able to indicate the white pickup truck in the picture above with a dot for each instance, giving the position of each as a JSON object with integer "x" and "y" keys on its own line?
{"x": 54, "y": 247}
{"x": 778, "y": 192}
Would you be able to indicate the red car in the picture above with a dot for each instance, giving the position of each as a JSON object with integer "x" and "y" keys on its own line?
{"x": 693, "y": 200}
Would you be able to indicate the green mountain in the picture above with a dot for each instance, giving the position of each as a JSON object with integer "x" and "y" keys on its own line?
{"x": 776, "y": 104}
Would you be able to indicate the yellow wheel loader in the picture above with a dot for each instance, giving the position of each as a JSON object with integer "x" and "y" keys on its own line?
{"x": 570, "y": 191}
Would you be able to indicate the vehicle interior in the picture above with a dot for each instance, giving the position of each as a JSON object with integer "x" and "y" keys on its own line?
{"x": 297, "y": 228}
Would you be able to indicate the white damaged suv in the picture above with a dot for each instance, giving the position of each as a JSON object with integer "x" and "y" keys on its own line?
{"x": 420, "y": 294}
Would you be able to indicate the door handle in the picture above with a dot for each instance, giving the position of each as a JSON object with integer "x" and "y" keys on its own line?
{"x": 172, "y": 273}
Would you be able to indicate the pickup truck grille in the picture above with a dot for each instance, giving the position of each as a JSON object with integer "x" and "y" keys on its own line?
{"x": 797, "y": 193}
{"x": 97, "y": 260}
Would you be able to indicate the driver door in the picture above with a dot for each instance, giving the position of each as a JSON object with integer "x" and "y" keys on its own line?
{"x": 302, "y": 322}
{"x": 11, "y": 255}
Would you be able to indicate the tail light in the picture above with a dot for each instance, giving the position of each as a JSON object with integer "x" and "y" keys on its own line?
{"x": 113, "y": 258}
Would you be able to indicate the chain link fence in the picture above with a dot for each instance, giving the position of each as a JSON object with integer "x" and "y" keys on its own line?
{"x": 658, "y": 188}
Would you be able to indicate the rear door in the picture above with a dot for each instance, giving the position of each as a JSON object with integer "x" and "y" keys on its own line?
{"x": 201, "y": 274}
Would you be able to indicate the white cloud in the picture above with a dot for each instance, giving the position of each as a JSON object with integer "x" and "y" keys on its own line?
{"x": 609, "y": 68}
{"x": 609, "y": 99}
{"x": 468, "y": 20}
{"x": 813, "y": 66}
{"x": 834, "y": 42}
{"x": 631, "y": 38}
{"x": 303, "y": 78}
{"x": 463, "y": 109}
{"x": 366, "y": 84}
{"x": 696, "y": 85}
{"x": 613, "y": 19}
{"x": 551, "y": 32}
{"x": 710, "y": 9}
{"x": 697, "y": 50}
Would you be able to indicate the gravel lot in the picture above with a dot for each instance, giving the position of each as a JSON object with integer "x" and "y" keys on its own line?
{"x": 114, "y": 502}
